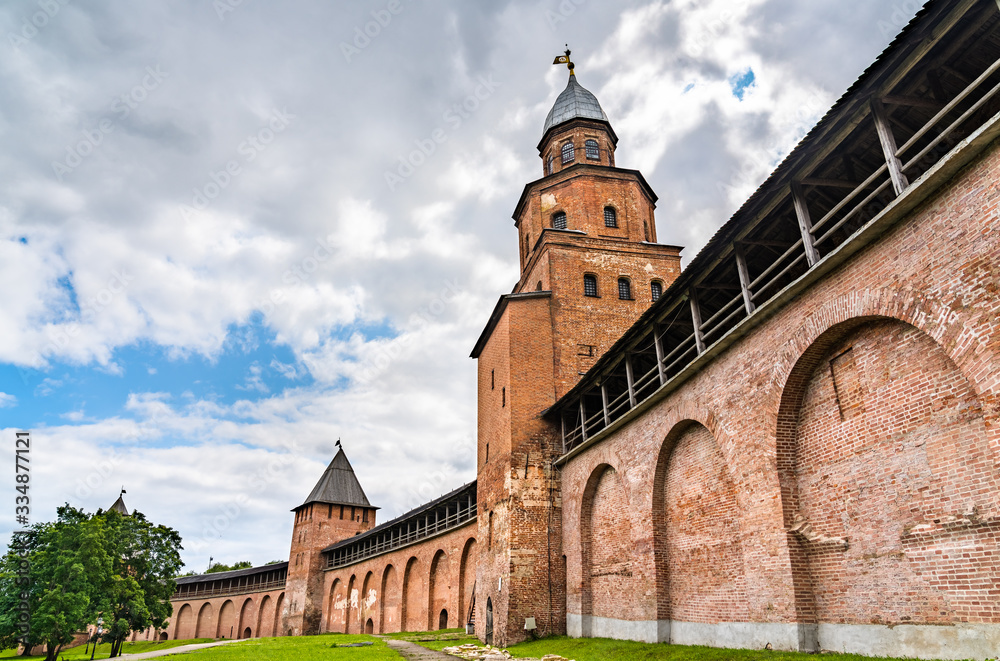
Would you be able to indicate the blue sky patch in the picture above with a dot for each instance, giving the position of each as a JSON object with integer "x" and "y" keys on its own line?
{"x": 741, "y": 82}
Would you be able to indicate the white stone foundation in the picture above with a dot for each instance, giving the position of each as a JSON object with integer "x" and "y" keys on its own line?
{"x": 920, "y": 641}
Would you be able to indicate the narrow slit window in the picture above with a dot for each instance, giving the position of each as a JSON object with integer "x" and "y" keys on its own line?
{"x": 610, "y": 217}
{"x": 503, "y": 396}
{"x": 590, "y": 285}
{"x": 559, "y": 220}
{"x": 655, "y": 289}
{"x": 624, "y": 289}
{"x": 550, "y": 165}
{"x": 568, "y": 153}
{"x": 593, "y": 151}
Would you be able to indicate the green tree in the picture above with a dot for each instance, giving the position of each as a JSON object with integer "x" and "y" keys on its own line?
{"x": 68, "y": 570}
{"x": 145, "y": 558}
{"x": 217, "y": 567}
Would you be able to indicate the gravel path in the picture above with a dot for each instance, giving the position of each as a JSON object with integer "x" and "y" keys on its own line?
{"x": 414, "y": 651}
{"x": 173, "y": 650}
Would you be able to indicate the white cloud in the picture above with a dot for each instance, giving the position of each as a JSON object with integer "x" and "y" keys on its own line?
{"x": 379, "y": 294}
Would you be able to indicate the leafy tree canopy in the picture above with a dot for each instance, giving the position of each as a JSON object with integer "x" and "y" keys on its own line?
{"x": 217, "y": 567}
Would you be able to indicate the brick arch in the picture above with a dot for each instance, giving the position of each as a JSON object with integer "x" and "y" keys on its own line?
{"x": 438, "y": 588}
{"x": 351, "y": 615}
{"x": 966, "y": 346}
{"x": 278, "y": 614}
{"x": 247, "y": 612}
{"x": 335, "y": 607}
{"x": 607, "y": 551}
{"x": 205, "y": 624}
{"x": 466, "y": 579}
{"x": 389, "y": 605}
{"x": 226, "y": 628}
{"x": 700, "y": 570}
{"x": 265, "y": 616}
{"x": 185, "y": 623}
{"x": 411, "y": 616}
{"x": 369, "y": 597}
{"x": 878, "y": 435}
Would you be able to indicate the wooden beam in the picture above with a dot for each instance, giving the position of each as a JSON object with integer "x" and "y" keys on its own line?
{"x": 725, "y": 286}
{"x": 631, "y": 380}
{"x": 832, "y": 183}
{"x": 604, "y": 403}
{"x": 741, "y": 268}
{"x": 765, "y": 244}
{"x": 885, "y": 136}
{"x": 562, "y": 419}
{"x": 583, "y": 420}
{"x": 659, "y": 351}
{"x": 699, "y": 342}
{"x": 805, "y": 224}
{"x": 934, "y": 82}
{"x": 912, "y": 101}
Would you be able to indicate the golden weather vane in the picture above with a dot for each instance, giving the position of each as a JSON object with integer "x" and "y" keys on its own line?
{"x": 564, "y": 59}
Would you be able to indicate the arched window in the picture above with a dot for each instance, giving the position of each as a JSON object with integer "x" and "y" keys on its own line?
{"x": 655, "y": 289}
{"x": 610, "y": 217}
{"x": 593, "y": 151}
{"x": 567, "y": 153}
{"x": 624, "y": 289}
{"x": 559, "y": 220}
{"x": 589, "y": 285}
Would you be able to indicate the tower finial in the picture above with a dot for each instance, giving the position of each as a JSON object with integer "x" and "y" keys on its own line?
{"x": 564, "y": 59}
{"x": 339, "y": 445}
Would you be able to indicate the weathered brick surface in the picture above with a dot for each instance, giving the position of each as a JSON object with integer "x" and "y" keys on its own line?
{"x": 404, "y": 590}
{"x": 251, "y": 615}
{"x": 317, "y": 525}
{"x": 864, "y": 411}
{"x": 539, "y": 347}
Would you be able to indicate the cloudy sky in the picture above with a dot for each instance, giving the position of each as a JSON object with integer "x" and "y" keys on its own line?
{"x": 228, "y": 235}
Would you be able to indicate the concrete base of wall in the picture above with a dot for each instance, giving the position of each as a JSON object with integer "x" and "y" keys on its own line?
{"x": 919, "y": 641}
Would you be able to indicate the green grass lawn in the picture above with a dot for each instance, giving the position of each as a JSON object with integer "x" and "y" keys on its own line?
{"x": 83, "y": 651}
{"x": 604, "y": 649}
{"x": 298, "y": 648}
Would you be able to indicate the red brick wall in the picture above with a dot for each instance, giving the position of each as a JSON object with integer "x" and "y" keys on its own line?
{"x": 904, "y": 466}
{"x": 609, "y": 582}
{"x": 393, "y": 589}
{"x": 913, "y": 448}
{"x": 704, "y": 557}
{"x": 317, "y": 525}
{"x": 577, "y": 132}
{"x": 227, "y": 616}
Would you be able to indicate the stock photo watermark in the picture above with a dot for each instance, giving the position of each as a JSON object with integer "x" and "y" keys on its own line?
{"x": 122, "y": 107}
{"x": 223, "y": 7}
{"x": 297, "y": 274}
{"x": 563, "y": 11}
{"x": 251, "y": 147}
{"x": 61, "y": 336}
{"x": 454, "y": 117}
{"x": 226, "y": 514}
{"x": 22, "y": 515}
{"x": 30, "y": 25}
{"x": 365, "y": 34}
{"x": 388, "y": 353}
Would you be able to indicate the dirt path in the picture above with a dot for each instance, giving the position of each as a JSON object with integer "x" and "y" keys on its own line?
{"x": 414, "y": 651}
{"x": 173, "y": 650}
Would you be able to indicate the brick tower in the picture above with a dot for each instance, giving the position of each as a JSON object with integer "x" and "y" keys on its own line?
{"x": 590, "y": 266}
{"x": 335, "y": 509}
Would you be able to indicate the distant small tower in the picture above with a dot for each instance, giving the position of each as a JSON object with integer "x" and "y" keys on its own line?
{"x": 336, "y": 508}
{"x": 119, "y": 505}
